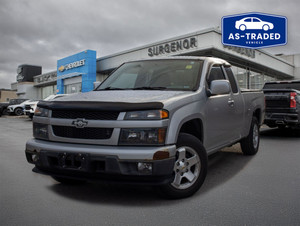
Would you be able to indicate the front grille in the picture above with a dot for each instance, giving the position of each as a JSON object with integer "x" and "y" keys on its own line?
{"x": 27, "y": 107}
{"x": 93, "y": 115}
{"x": 82, "y": 133}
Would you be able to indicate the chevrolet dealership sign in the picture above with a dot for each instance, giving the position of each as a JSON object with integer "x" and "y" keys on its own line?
{"x": 69, "y": 66}
{"x": 254, "y": 30}
{"x": 82, "y": 65}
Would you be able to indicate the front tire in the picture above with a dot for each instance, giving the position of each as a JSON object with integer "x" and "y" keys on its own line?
{"x": 250, "y": 144}
{"x": 18, "y": 111}
{"x": 190, "y": 168}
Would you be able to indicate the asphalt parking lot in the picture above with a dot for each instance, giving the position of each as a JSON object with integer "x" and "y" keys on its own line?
{"x": 239, "y": 190}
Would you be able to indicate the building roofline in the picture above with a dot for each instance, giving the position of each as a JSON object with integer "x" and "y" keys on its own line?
{"x": 213, "y": 29}
{"x": 204, "y": 31}
{"x": 5, "y": 89}
{"x": 29, "y": 65}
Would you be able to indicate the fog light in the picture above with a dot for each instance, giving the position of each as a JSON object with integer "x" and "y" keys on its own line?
{"x": 35, "y": 157}
{"x": 144, "y": 167}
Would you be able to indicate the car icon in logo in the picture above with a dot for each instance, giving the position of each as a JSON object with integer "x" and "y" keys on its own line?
{"x": 253, "y": 23}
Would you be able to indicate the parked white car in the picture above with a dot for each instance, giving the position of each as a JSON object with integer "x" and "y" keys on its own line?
{"x": 18, "y": 109}
{"x": 31, "y": 106}
{"x": 253, "y": 23}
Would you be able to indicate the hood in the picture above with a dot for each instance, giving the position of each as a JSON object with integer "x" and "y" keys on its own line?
{"x": 127, "y": 96}
{"x": 14, "y": 105}
{"x": 32, "y": 102}
{"x": 121, "y": 100}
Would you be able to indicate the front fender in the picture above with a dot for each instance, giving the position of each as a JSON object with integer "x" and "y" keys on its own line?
{"x": 179, "y": 117}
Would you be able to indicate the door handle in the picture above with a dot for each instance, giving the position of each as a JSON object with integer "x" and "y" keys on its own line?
{"x": 231, "y": 103}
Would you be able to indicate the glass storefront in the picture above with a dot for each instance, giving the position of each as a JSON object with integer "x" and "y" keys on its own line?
{"x": 73, "y": 85}
{"x": 241, "y": 75}
{"x": 249, "y": 79}
{"x": 48, "y": 90}
{"x": 72, "y": 88}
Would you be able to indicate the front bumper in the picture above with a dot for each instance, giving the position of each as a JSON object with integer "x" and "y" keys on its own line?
{"x": 29, "y": 112}
{"x": 106, "y": 163}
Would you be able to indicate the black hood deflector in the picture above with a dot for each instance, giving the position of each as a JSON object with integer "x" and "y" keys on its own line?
{"x": 99, "y": 106}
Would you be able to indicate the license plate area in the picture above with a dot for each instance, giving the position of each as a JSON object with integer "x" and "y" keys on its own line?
{"x": 75, "y": 161}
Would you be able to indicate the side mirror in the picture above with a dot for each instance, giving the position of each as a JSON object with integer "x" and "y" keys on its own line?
{"x": 96, "y": 84}
{"x": 219, "y": 87}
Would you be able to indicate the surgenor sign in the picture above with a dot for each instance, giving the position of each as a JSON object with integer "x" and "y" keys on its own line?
{"x": 172, "y": 47}
{"x": 254, "y": 30}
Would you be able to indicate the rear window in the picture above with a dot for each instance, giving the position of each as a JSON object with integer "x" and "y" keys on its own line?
{"x": 231, "y": 80}
{"x": 283, "y": 85}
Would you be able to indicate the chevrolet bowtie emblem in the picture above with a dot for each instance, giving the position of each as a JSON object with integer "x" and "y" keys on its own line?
{"x": 61, "y": 68}
{"x": 80, "y": 123}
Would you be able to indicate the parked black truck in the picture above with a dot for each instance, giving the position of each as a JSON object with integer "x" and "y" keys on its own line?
{"x": 282, "y": 104}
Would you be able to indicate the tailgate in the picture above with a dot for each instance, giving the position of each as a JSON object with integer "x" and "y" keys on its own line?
{"x": 277, "y": 99}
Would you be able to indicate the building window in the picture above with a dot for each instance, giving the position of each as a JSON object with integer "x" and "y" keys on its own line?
{"x": 256, "y": 80}
{"x": 48, "y": 90}
{"x": 72, "y": 88}
{"x": 241, "y": 75}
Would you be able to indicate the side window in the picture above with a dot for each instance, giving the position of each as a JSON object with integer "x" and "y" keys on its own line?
{"x": 232, "y": 81}
{"x": 215, "y": 73}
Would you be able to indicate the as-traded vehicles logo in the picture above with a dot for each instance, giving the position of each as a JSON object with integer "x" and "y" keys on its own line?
{"x": 254, "y": 30}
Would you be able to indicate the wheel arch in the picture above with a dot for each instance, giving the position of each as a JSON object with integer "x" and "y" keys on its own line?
{"x": 257, "y": 114}
{"x": 194, "y": 127}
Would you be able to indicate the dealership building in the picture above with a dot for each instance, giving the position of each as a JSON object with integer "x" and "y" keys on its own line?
{"x": 79, "y": 72}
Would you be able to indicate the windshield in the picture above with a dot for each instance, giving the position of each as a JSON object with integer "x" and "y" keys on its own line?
{"x": 155, "y": 75}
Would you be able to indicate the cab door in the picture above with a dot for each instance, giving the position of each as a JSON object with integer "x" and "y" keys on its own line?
{"x": 219, "y": 114}
{"x": 237, "y": 106}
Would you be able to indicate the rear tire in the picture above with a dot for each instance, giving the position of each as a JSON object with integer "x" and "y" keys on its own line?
{"x": 250, "y": 144}
{"x": 63, "y": 180}
{"x": 266, "y": 27}
{"x": 190, "y": 168}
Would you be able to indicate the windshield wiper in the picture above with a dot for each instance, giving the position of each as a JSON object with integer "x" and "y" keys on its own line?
{"x": 111, "y": 88}
{"x": 150, "y": 88}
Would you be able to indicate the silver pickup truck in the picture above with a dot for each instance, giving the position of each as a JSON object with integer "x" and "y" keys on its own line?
{"x": 151, "y": 122}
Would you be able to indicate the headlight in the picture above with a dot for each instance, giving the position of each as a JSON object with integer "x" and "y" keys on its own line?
{"x": 148, "y": 136}
{"x": 41, "y": 112}
{"x": 40, "y": 131}
{"x": 147, "y": 115}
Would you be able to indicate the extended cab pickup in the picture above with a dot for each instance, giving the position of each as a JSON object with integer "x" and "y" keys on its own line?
{"x": 282, "y": 104}
{"x": 151, "y": 121}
